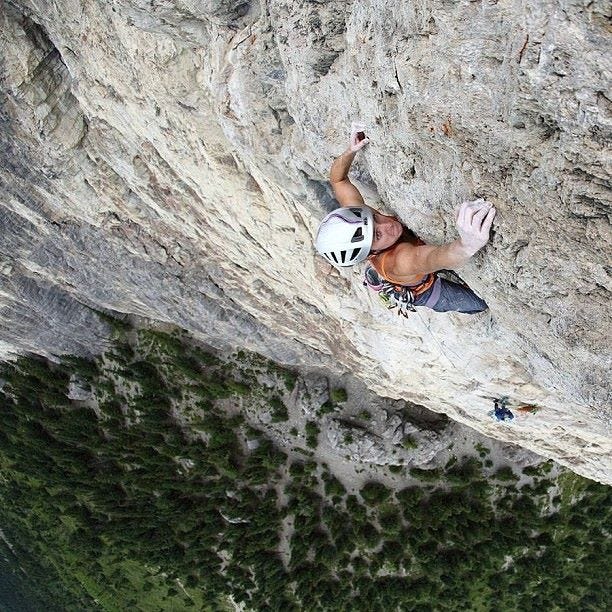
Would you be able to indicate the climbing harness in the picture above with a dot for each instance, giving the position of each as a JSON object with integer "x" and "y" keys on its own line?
{"x": 391, "y": 295}
{"x": 394, "y": 294}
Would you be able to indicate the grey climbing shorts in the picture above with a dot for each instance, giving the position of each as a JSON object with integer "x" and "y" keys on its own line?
{"x": 445, "y": 295}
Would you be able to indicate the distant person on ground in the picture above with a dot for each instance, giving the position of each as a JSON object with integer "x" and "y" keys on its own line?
{"x": 400, "y": 264}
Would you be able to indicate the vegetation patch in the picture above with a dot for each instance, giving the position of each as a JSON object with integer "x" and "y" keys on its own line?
{"x": 482, "y": 450}
{"x": 326, "y": 408}
{"x": 312, "y": 434}
{"x": 157, "y": 494}
{"x": 409, "y": 443}
{"x": 505, "y": 474}
{"x": 374, "y": 493}
{"x": 426, "y": 475}
{"x": 338, "y": 396}
{"x": 279, "y": 410}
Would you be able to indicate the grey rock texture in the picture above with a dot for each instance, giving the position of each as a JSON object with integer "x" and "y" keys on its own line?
{"x": 381, "y": 443}
{"x": 78, "y": 391}
{"x": 169, "y": 159}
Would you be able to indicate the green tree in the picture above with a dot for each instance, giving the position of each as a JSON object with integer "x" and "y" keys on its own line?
{"x": 374, "y": 493}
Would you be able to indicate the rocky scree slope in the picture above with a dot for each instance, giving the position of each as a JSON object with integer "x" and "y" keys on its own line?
{"x": 170, "y": 160}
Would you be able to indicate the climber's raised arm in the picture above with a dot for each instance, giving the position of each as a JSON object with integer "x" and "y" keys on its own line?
{"x": 345, "y": 192}
{"x": 474, "y": 221}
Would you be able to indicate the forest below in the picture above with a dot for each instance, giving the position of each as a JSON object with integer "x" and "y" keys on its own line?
{"x": 126, "y": 483}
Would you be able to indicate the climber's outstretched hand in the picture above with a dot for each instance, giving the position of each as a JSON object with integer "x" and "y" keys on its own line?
{"x": 358, "y": 141}
{"x": 474, "y": 221}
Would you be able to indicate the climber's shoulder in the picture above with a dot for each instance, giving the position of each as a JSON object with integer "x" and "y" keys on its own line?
{"x": 404, "y": 261}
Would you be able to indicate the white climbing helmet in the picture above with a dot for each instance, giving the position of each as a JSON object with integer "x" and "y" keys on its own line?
{"x": 345, "y": 235}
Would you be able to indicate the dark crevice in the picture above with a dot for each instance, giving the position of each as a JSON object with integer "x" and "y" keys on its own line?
{"x": 320, "y": 189}
{"x": 38, "y": 37}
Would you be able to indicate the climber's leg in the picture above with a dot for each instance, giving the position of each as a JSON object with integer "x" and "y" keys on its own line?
{"x": 445, "y": 296}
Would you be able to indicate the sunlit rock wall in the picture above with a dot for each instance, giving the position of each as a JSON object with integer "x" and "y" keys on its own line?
{"x": 170, "y": 159}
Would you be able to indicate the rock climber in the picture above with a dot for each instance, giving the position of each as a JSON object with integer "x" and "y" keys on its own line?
{"x": 397, "y": 257}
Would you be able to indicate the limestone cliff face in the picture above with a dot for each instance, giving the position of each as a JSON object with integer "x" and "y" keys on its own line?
{"x": 170, "y": 158}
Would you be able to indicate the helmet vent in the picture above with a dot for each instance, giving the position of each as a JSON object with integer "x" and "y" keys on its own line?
{"x": 358, "y": 235}
{"x": 355, "y": 253}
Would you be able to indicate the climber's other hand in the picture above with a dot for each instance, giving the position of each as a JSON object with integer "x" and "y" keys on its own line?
{"x": 358, "y": 139}
{"x": 474, "y": 221}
